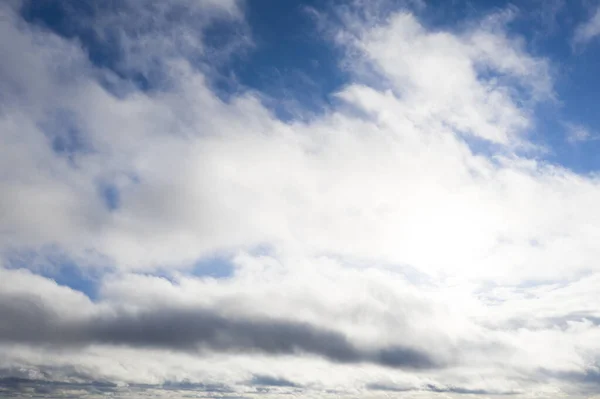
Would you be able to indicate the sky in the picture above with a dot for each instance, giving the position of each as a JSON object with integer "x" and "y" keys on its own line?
{"x": 322, "y": 199}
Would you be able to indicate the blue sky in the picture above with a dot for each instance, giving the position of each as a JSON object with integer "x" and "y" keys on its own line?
{"x": 318, "y": 198}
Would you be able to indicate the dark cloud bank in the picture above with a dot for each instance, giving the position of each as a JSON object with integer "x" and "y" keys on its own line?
{"x": 18, "y": 387}
{"x": 28, "y": 320}
{"x": 437, "y": 389}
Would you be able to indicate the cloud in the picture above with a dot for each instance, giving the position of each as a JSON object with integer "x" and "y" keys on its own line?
{"x": 27, "y": 320}
{"x": 17, "y": 387}
{"x": 467, "y": 391}
{"x": 578, "y": 133}
{"x": 547, "y": 14}
{"x": 433, "y": 388}
{"x": 272, "y": 381}
{"x": 141, "y": 336}
{"x": 474, "y": 99}
{"x": 588, "y": 30}
{"x": 22, "y": 386}
{"x": 387, "y": 387}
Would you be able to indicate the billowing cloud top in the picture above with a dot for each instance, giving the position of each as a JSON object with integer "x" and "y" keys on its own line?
{"x": 166, "y": 227}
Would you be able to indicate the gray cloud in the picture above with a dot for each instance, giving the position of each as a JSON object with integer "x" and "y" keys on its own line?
{"x": 18, "y": 386}
{"x": 14, "y": 386}
{"x": 559, "y": 321}
{"x": 434, "y": 388}
{"x": 376, "y": 386}
{"x": 265, "y": 380}
{"x": 28, "y": 320}
{"x": 192, "y": 386}
{"x": 466, "y": 391}
{"x": 587, "y": 381}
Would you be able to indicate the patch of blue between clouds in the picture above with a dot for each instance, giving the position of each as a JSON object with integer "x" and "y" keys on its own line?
{"x": 217, "y": 267}
{"x": 110, "y": 195}
{"x": 110, "y": 192}
{"x": 72, "y": 276}
{"x": 62, "y": 270}
{"x": 292, "y": 64}
{"x": 64, "y": 135}
{"x": 67, "y": 143}
{"x": 67, "y": 18}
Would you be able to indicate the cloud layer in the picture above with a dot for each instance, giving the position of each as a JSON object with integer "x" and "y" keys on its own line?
{"x": 28, "y": 319}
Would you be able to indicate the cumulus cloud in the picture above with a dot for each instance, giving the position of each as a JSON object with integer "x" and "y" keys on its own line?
{"x": 398, "y": 241}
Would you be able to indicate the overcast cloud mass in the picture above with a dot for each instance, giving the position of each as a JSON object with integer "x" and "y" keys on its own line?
{"x": 222, "y": 198}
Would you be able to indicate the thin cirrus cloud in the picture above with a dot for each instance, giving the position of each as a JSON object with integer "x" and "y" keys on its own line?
{"x": 578, "y": 133}
{"x": 588, "y": 30}
{"x": 408, "y": 238}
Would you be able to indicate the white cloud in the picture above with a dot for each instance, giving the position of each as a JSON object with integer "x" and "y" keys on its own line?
{"x": 442, "y": 76}
{"x": 588, "y": 30}
{"x": 579, "y": 133}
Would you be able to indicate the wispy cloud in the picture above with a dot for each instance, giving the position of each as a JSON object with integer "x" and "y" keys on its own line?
{"x": 578, "y": 133}
{"x": 588, "y": 30}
